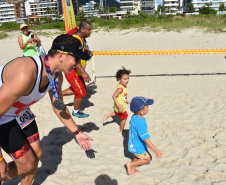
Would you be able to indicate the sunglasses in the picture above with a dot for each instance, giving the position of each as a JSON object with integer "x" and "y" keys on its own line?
{"x": 77, "y": 60}
{"x": 24, "y": 28}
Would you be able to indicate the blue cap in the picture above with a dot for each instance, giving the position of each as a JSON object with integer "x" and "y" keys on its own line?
{"x": 139, "y": 102}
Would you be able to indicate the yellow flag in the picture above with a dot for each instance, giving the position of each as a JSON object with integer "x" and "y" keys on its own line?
{"x": 69, "y": 15}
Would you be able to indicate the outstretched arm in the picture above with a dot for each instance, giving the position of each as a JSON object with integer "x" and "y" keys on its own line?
{"x": 158, "y": 153}
{"x": 66, "y": 119}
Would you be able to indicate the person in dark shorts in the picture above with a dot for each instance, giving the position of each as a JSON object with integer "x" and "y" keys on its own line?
{"x": 23, "y": 82}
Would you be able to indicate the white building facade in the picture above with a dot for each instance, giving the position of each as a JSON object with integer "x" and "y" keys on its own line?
{"x": 131, "y": 6}
{"x": 11, "y": 11}
{"x": 172, "y": 6}
{"x": 46, "y": 8}
{"x": 214, "y": 4}
{"x": 148, "y": 6}
{"x": 89, "y": 10}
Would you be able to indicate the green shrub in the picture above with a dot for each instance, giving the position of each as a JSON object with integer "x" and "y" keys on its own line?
{"x": 9, "y": 26}
{"x": 207, "y": 11}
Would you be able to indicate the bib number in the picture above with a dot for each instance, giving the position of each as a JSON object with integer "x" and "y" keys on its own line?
{"x": 25, "y": 118}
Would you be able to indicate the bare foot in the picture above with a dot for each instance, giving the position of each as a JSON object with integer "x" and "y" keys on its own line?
{"x": 105, "y": 117}
{"x": 136, "y": 172}
{"x": 128, "y": 168}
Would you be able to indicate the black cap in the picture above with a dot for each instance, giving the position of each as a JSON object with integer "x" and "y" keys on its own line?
{"x": 76, "y": 49}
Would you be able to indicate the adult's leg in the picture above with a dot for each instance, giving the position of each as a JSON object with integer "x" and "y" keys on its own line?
{"x": 32, "y": 135}
{"x": 77, "y": 103}
{"x": 14, "y": 142}
{"x": 26, "y": 179}
{"x": 24, "y": 165}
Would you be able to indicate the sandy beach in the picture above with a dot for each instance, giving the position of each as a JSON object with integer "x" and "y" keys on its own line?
{"x": 187, "y": 122}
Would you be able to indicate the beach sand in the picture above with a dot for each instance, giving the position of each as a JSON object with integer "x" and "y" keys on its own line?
{"x": 187, "y": 121}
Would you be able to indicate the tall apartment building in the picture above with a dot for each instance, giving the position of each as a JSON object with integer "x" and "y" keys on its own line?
{"x": 75, "y": 7}
{"x": 172, "y": 6}
{"x": 41, "y": 8}
{"x": 214, "y": 4}
{"x": 89, "y": 10}
{"x": 148, "y": 6}
{"x": 132, "y": 6}
{"x": 11, "y": 11}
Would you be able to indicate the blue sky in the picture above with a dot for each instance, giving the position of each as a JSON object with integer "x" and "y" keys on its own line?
{"x": 157, "y": 1}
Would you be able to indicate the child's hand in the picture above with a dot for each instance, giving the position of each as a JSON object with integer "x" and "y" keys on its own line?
{"x": 127, "y": 101}
{"x": 158, "y": 154}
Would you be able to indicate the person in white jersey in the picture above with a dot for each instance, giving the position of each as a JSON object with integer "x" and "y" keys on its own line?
{"x": 23, "y": 82}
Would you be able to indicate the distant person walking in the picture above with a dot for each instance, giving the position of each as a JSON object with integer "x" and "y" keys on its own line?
{"x": 79, "y": 76}
{"x": 27, "y": 40}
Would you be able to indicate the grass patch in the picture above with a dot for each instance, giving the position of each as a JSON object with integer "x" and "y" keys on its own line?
{"x": 3, "y": 35}
{"x": 209, "y": 23}
{"x": 213, "y": 23}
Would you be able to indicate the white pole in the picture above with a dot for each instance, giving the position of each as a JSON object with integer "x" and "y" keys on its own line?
{"x": 93, "y": 73}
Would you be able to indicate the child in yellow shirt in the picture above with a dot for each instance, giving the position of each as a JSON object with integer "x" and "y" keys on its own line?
{"x": 120, "y": 98}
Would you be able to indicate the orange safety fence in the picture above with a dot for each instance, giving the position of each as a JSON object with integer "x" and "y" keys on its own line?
{"x": 161, "y": 52}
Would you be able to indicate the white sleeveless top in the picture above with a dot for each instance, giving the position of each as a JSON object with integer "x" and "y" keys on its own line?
{"x": 25, "y": 101}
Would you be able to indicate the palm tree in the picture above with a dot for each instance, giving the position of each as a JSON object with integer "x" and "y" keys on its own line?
{"x": 128, "y": 13}
{"x": 163, "y": 8}
{"x": 221, "y": 7}
{"x": 191, "y": 8}
{"x": 179, "y": 6}
{"x": 54, "y": 10}
{"x": 156, "y": 12}
{"x": 96, "y": 6}
{"x": 48, "y": 10}
{"x": 168, "y": 8}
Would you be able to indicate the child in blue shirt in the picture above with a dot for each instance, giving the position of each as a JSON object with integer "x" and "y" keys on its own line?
{"x": 139, "y": 136}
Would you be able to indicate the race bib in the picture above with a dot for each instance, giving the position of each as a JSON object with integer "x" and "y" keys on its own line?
{"x": 25, "y": 118}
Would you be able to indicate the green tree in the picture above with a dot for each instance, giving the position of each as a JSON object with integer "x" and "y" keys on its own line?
{"x": 48, "y": 11}
{"x": 207, "y": 11}
{"x": 96, "y": 6}
{"x": 163, "y": 9}
{"x": 128, "y": 13}
{"x": 221, "y": 8}
{"x": 208, "y": 4}
{"x": 113, "y": 9}
{"x": 168, "y": 9}
{"x": 179, "y": 6}
{"x": 143, "y": 15}
{"x": 156, "y": 12}
{"x": 54, "y": 10}
{"x": 191, "y": 8}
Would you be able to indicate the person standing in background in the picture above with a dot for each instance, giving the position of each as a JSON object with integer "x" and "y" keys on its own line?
{"x": 27, "y": 40}
{"x": 79, "y": 76}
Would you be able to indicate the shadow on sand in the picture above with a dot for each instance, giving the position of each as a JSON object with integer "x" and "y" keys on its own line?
{"x": 105, "y": 180}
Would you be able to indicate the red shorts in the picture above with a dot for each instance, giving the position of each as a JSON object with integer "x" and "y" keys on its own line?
{"x": 77, "y": 83}
{"x": 123, "y": 115}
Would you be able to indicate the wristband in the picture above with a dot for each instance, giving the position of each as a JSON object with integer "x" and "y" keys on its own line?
{"x": 77, "y": 131}
{"x": 1, "y": 158}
